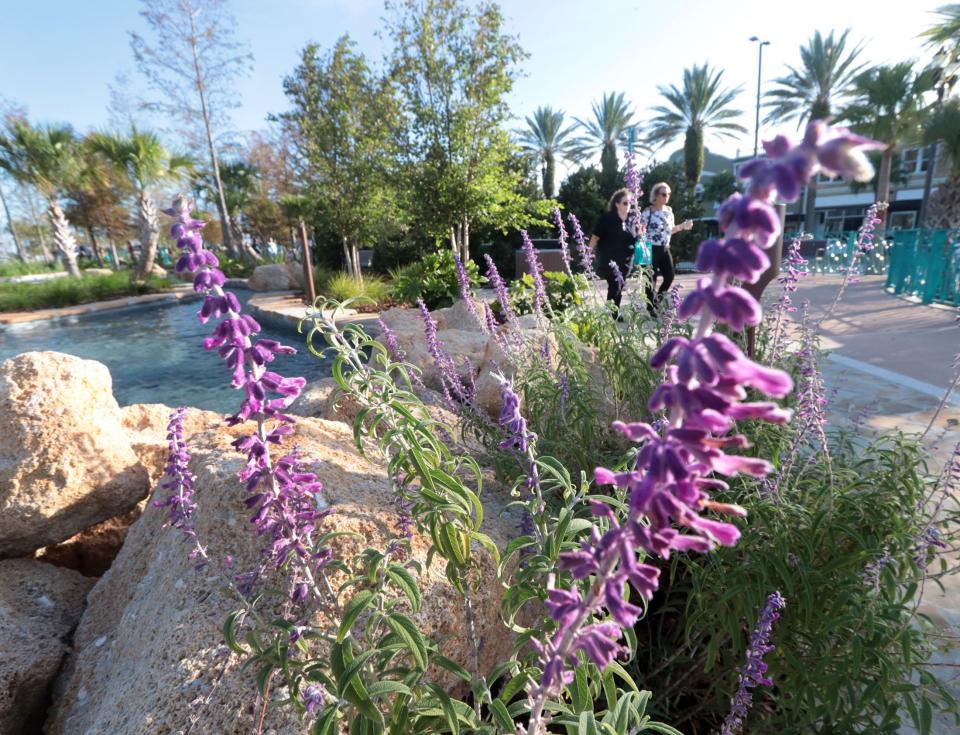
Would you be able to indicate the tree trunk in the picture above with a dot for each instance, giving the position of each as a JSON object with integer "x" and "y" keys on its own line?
{"x": 21, "y": 253}
{"x": 453, "y": 240}
{"x": 236, "y": 234}
{"x": 883, "y": 185}
{"x": 608, "y": 169}
{"x": 149, "y": 223}
{"x": 355, "y": 254}
{"x": 465, "y": 242}
{"x": 549, "y": 170}
{"x": 810, "y": 216}
{"x": 97, "y": 250}
{"x": 944, "y": 209}
{"x": 63, "y": 239}
{"x": 113, "y": 254}
{"x": 347, "y": 258}
{"x": 214, "y": 162}
{"x": 693, "y": 156}
{"x": 47, "y": 257}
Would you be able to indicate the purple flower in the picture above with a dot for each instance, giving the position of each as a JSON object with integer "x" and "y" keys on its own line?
{"x": 518, "y": 437}
{"x": 284, "y": 498}
{"x": 704, "y": 395}
{"x": 583, "y": 249}
{"x": 314, "y": 698}
{"x": 617, "y": 274}
{"x": 500, "y": 289}
{"x": 454, "y": 391}
{"x": 557, "y": 220}
{"x": 753, "y": 674}
{"x": 177, "y": 480}
{"x": 540, "y": 302}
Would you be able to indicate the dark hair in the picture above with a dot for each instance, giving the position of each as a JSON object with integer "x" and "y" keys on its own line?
{"x": 616, "y": 197}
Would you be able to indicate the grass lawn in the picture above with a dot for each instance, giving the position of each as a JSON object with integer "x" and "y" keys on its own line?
{"x": 69, "y": 291}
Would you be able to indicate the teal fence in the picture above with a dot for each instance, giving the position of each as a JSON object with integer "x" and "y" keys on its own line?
{"x": 926, "y": 264}
{"x": 836, "y": 255}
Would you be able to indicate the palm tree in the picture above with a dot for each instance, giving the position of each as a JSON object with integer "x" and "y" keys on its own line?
{"x": 699, "y": 108}
{"x": 97, "y": 195}
{"x": 612, "y": 116}
{"x": 888, "y": 106}
{"x": 45, "y": 158}
{"x": 947, "y": 31}
{"x": 825, "y": 78}
{"x": 943, "y": 126}
{"x": 241, "y": 183}
{"x": 546, "y": 137}
{"x": 141, "y": 157}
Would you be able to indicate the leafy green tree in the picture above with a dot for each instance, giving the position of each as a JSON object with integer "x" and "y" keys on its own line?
{"x": 98, "y": 197}
{"x": 45, "y": 158}
{"x": 719, "y": 186}
{"x": 546, "y": 137}
{"x": 241, "y": 184}
{"x": 943, "y": 127}
{"x": 341, "y": 127}
{"x": 142, "y": 157}
{"x": 889, "y": 106}
{"x": 581, "y": 194}
{"x": 947, "y": 30}
{"x": 612, "y": 117}
{"x": 454, "y": 67}
{"x": 702, "y": 107}
{"x": 824, "y": 80}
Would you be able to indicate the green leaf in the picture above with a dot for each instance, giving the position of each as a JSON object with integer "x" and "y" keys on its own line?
{"x": 588, "y": 722}
{"x": 406, "y": 582}
{"x": 405, "y": 628}
{"x": 661, "y": 728}
{"x": 230, "y": 632}
{"x": 326, "y": 724}
{"x": 355, "y": 607}
{"x": 383, "y": 688}
{"x": 502, "y": 717}
{"x": 451, "y": 666}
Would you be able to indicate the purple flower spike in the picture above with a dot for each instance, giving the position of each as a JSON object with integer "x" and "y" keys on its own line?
{"x": 285, "y": 499}
{"x": 753, "y": 673}
{"x": 703, "y": 396}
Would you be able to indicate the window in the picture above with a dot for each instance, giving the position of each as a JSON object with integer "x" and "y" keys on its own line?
{"x": 902, "y": 220}
{"x": 915, "y": 160}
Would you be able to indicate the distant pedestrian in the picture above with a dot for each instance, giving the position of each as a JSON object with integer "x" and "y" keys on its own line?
{"x": 660, "y": 227}
{"x": 612, "y": 242}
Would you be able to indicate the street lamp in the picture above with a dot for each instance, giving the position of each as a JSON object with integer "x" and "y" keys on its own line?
{"x": 756, "y": 132}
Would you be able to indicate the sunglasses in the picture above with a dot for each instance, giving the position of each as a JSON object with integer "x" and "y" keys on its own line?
{"x": 663, "y": 193}
{"x": 624, "y": 201}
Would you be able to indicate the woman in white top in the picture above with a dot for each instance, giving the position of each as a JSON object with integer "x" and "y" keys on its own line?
{"x": 658, "y": 219}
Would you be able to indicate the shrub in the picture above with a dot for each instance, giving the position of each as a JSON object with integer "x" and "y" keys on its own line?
{"x": 342, "y": 286}
{"x": 10, "y": 268}
{"x": 433, "y": 279}
{"x": 562, "y": 292}
{"x": 68, "y": 291}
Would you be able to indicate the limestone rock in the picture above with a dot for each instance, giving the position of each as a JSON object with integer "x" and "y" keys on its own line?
{"x": 39, "y": 607}
{"x": 65, "y": 457}
{"x": 458, "y": 316}
{"x": 146, "y": 426}
{"x": 92, "y": 551}
{"x": 158, "y": 270}
{"x": 149, "y": 644}
{"x": 271, "y": 277}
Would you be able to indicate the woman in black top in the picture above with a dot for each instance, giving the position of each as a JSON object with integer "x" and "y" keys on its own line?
{"x": 613, "y": 239}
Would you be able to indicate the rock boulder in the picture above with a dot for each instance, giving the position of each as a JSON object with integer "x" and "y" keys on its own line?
{"x": 272, "y": 277}
{"x": 65, "y": 457}
{"x": 148, "y": 653}
{"x": 39, "y": 608}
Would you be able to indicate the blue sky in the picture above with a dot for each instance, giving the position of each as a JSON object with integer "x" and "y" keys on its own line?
{"x": 57, "y": 57}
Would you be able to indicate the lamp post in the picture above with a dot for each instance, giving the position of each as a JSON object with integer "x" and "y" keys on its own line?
{"x": 756, "y": 130}
{"x": 945, "y": 69}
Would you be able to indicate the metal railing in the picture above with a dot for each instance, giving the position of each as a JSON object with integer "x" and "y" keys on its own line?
{"x": 926, "y": 264}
